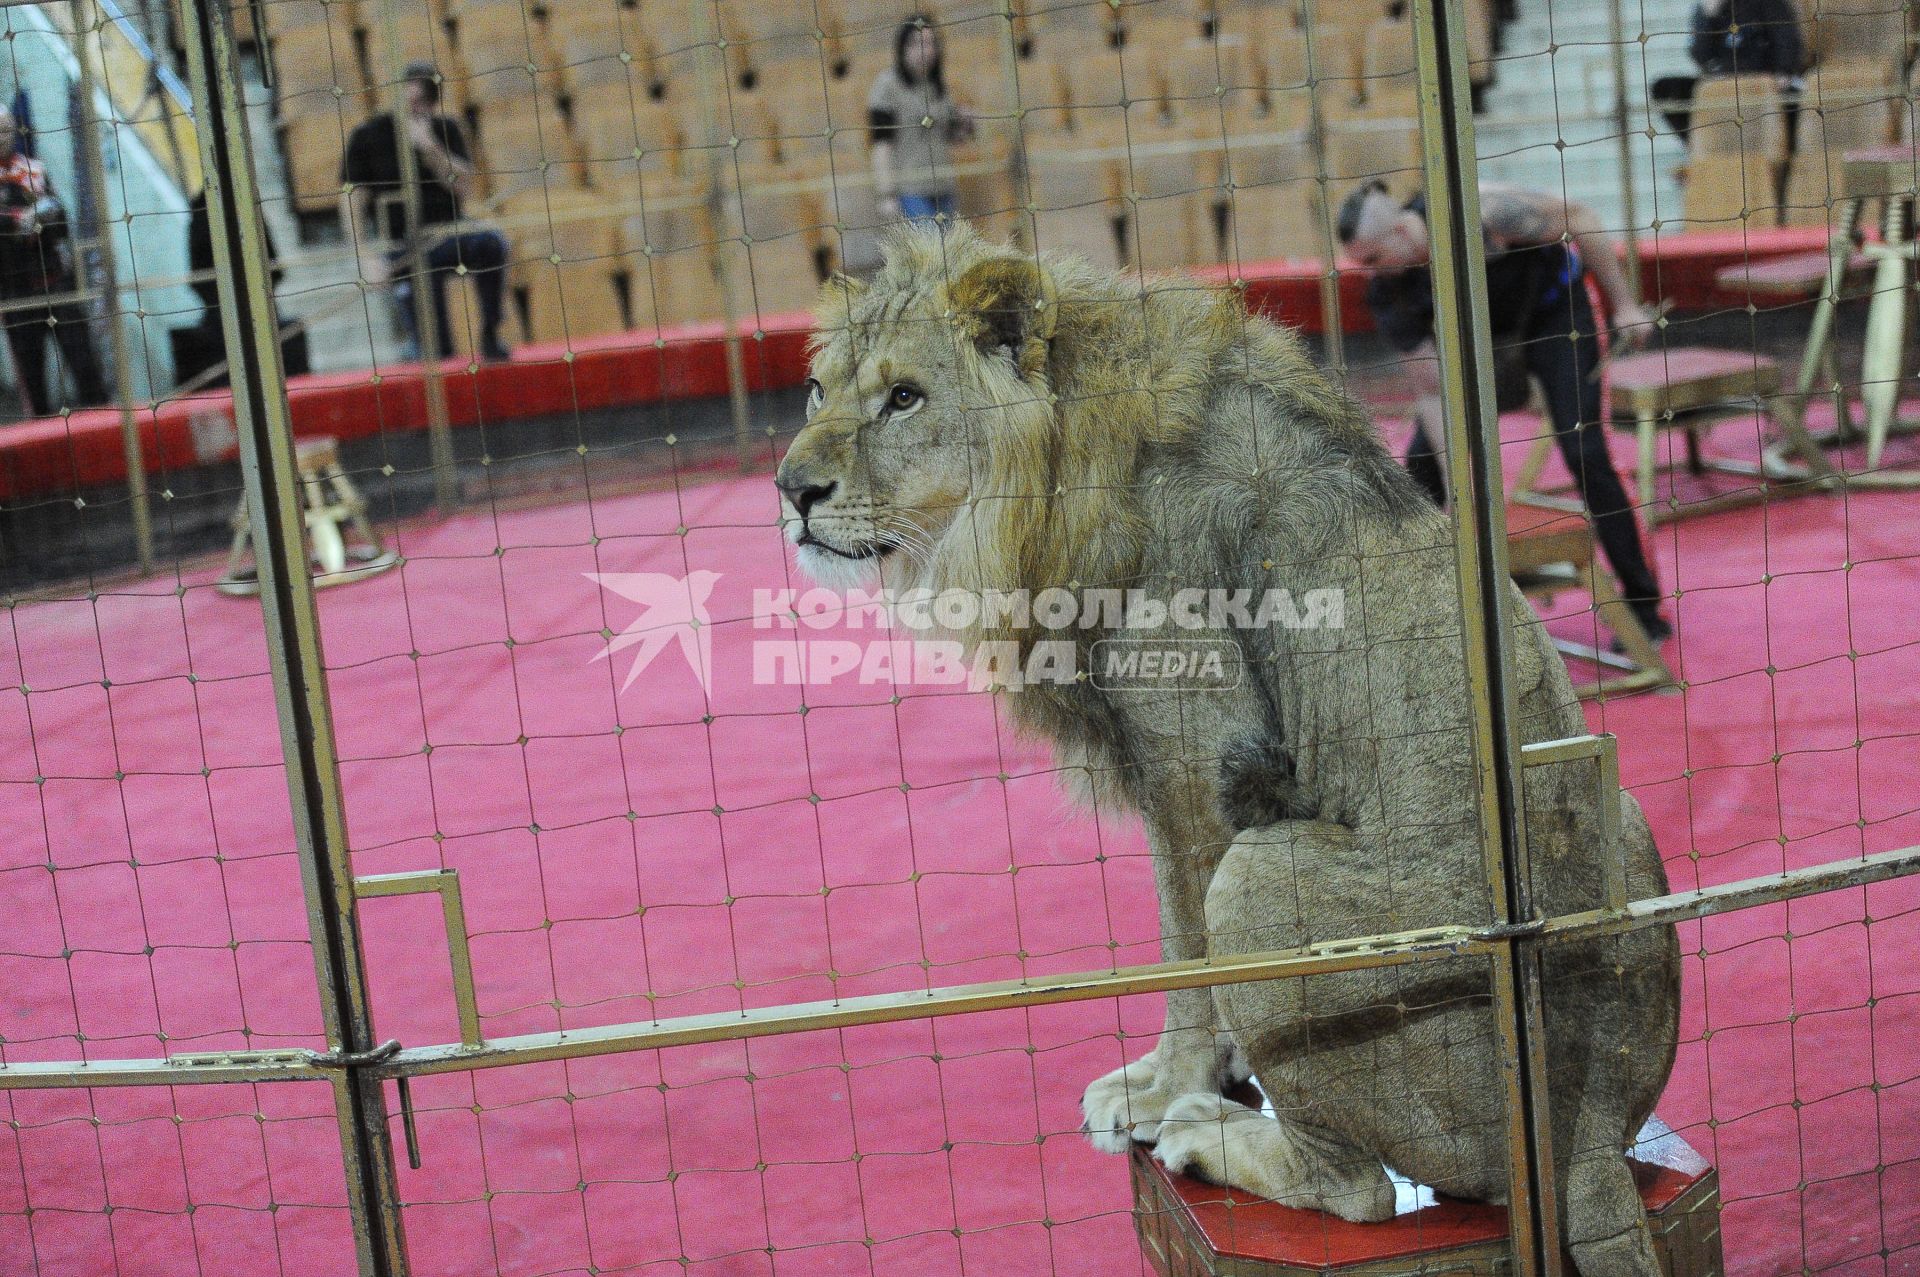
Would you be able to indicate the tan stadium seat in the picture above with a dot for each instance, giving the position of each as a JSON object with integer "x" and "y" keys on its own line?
{"x": 528, "y": 142}
{"x": 565, "y": 262}
{"x": 1358, "y": 150}
{"x": 1389, "y": 86}
{"x": 1834, "y": 119}
{"x": 313, "y": 145}
{"x": 1160, "y": 175}
{"x": 617, "y": 135}
{"x": 1738, "y": 149}
{"x": 420, "y": 36}
{"x": 1866, "y": 37}
{"x": 667, "y": 254}
{"x": 489, "y": 34}
{"x": 318, "y": 56}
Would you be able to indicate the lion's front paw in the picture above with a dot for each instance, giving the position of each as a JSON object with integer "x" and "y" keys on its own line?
{"x": 1126, "y": 1105}
{"x": 1121, "y": 1108}
{"x": 1217, "y": 1140}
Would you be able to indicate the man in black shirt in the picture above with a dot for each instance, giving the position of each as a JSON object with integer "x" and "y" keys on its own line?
{"x": 1737, "y": 37}
{"x": 371, "y": 171}
{"x": 1538, "y": 253}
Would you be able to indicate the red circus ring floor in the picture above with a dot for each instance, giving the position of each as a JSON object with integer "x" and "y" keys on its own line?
{"x": 906, "y": 1149}
{"x": 63, "y": 456}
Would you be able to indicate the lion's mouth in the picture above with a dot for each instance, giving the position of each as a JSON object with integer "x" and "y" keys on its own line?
{"x": 859, "y": 553}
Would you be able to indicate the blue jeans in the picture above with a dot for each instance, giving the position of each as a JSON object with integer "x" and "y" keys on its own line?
{"x": 924, "y": 208}
{"x": 484, "y": 254}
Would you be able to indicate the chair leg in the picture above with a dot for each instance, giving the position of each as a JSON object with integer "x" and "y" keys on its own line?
{"x": 1649, "y": 440}
{"x": 1886, "y": 333}
{"x": 1534, "y": 466}
{"x": 1618, "y": 617}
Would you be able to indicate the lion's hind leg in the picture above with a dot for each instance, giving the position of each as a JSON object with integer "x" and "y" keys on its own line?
{"x": 1606, "y": 1225}
{"x": 1215, "y": 1139}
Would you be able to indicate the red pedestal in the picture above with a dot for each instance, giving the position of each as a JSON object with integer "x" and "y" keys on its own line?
{"x": 1191, "y": 1229}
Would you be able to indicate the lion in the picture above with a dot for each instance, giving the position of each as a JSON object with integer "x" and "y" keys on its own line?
{"x": 983, "y": 420}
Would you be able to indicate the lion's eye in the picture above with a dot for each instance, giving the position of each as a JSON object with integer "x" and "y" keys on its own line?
{"x": 904, "y": 397}
{"x": 814, "y": 395}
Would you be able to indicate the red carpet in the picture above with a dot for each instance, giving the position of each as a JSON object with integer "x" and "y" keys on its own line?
{"x": 622, "y": 858}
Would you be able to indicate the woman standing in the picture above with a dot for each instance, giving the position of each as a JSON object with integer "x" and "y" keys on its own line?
{"x": 912, "y": 122}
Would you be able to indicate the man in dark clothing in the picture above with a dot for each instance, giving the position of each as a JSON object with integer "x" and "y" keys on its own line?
{"x": 371, "y": 170}
{"x": 36, "y": 261}
{"x": 1736, "y": 37}
{"x": 1539, "y": 251}
{"x": 200, "y": 347}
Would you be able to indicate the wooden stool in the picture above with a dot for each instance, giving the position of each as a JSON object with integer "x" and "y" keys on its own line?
{"x": 334, "y": 506}
{"x": 1552, "y": 550}
{"x": 1884, "y": 174}
{"x": 1694, "y": 388}
{"x": 1801, "y": 277}
{"x": 1191, "y": 1229}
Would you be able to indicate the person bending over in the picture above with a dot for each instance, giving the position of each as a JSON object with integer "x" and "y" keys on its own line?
{"x": 371, "y": 172}
{"x": 1539, "y": 252}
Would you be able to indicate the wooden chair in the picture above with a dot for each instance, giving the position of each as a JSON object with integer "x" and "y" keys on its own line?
{"x": 1553, "y": 550}
{"x": 1693, "y": 389}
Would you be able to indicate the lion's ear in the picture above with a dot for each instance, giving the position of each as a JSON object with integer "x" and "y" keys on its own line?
{"x": 1010, "y": 301}
{"x": 837, "y": 295}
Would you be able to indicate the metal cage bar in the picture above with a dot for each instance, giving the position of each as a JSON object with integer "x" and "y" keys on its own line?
{"x": 275, "y": 508}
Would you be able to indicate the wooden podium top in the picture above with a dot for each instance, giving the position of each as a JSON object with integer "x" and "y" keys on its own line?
{"x": 1239, "y": 1226}
{"x": 1684, "y": 378}
{"x": 1877, "y": 171}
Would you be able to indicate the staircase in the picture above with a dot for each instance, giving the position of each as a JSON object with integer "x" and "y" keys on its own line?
{"x": 1547, "y": 123}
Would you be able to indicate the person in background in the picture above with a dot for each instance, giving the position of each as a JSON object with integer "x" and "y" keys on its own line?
{"x": 37, "y": 261}
{"x": 1539, "y": 252}
{"x": 371, "y": 171}
{"x": 1737, "y": 37}
{"x": 198, "y": 348}
{"x": 912, "y": 123}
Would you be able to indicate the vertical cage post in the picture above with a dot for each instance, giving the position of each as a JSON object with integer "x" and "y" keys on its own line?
{"x": 446, "y": 491}
{"x": 727, "y": 212}
{"x": 274, "y": 506}
{"x": 1019, "y": 167}
{"x": 87, "y": 142}
{"x": 1622, "y": 122}
{"x": 1332, "y": 326}
{"x": 1478, "y": 495}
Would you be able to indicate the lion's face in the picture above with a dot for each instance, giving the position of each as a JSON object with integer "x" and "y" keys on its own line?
{"x": 886, "y": 457}
{"x": 920, "y": 381}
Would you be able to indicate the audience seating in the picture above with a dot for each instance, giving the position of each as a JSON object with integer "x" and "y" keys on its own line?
{"x": 1154, "y": 135}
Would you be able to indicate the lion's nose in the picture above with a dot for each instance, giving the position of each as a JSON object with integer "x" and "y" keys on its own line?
{"x": 805, "y": 495}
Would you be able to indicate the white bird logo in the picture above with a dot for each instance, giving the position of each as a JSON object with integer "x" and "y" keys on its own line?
{"x": 671, "y": 608}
